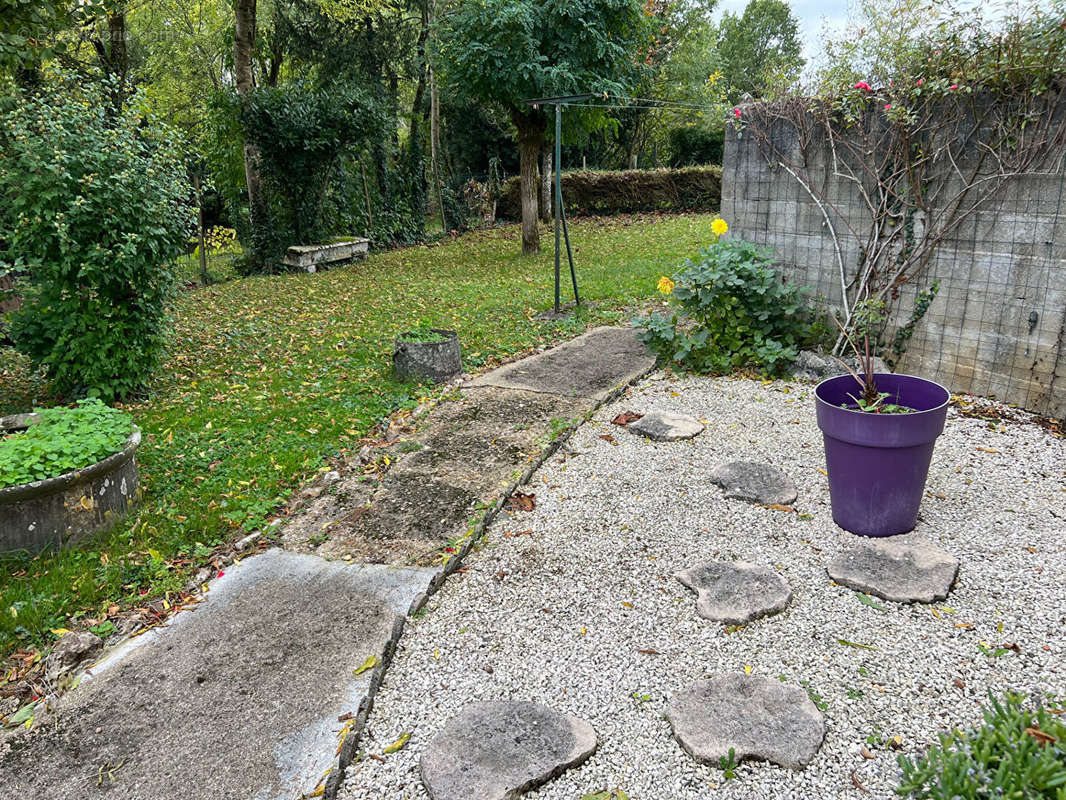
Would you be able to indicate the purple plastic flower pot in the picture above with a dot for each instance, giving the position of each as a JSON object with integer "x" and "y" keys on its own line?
{"x": 878, "y": 463}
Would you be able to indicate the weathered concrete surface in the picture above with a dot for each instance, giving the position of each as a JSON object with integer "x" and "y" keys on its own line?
{"x": 239, "y": 698}
{"x": 735, "y": 592}
{"x": 758, "y": 718}
{"x": 497, "y": 751}
{"x": 662, "y": 426}
{"x": 757, "y": 483}
{"x": 589, "y": 366}
{"x": 901, "y": 569}
{"x": 470, "y": 451}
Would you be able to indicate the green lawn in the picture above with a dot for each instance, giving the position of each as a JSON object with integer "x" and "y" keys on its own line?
{"x": 269, "y": 378}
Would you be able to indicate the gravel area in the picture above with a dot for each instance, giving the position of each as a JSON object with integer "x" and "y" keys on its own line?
{"x": 559, "y": 602}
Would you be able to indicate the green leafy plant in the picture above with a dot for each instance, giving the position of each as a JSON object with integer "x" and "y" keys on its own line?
{"x": 728, "y": 765}
{"x": 870, "y": 400}
{"x": 304, "y": 132}
{"x": 95, "y": 210}
{"x": 64, "y": 440}
{"x": 1019, "y": 753}
{"x": 733, "y": 310}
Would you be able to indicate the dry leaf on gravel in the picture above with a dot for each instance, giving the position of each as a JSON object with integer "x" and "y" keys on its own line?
{"x": 626, "y": 417}
{"x": 522, "y": 502}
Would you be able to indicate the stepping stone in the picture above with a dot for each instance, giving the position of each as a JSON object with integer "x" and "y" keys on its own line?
{"x": 758, "y": 718}
{"x": 901, "y": 569}
{"x": 735, "y": 592}
{"x": 497, "y": 751}
{"x": 662, "y": 426}
{"x": 754, "y": 482}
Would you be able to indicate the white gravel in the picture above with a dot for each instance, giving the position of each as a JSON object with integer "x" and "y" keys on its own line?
{"x": 559, "y": 615}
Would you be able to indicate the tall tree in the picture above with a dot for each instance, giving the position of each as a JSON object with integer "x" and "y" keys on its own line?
{"x": 243, "y": 53}
{"x": 504, "y": 52}
{"x": 758, "y": 47}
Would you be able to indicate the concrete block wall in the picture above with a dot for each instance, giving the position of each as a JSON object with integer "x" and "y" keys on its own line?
{"x": 998, "y": 324}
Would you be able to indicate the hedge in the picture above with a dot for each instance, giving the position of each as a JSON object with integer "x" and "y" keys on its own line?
{"x": 587, "y": 193}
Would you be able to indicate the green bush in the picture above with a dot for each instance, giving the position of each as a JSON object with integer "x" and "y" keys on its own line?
{"x": 588, "y": 193}
{"x": 733, "y": 310}
{"x": 303, "y": 133}
{"x": 64, "y": 440}
{"x": 95, "y": 208}
{"x": 691, "y": 145}
{"x": 1018, "y": 753}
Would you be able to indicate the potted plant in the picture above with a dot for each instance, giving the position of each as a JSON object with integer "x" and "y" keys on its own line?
{"x": 426, "y": 353}
{"x": 65, "y": 473}
{"x": 879, "y": 430}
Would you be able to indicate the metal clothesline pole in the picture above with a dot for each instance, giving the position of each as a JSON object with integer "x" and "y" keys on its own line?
{"x": 561, "y": 228}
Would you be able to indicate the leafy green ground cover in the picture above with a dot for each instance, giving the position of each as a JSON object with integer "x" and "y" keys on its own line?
{"x": 270, "y": 377}
{"x": 65, "y": 439}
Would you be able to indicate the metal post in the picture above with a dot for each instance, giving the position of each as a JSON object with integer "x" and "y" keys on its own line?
{"x": 558, "y": 195}
{"x": 570, "y": 258}
{"x": 560, "y": 212}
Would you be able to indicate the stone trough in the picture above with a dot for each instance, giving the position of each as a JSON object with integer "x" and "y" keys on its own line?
{"x": 56, "y": 512}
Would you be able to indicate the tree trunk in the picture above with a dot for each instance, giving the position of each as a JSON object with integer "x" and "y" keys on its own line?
{"x": 113, "y": 55}
{"x": 531, "y": 126}
{"x": 546, "y": 183}
{"x": 243, "y": 50}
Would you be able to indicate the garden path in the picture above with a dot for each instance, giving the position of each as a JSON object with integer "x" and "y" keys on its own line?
{"x": 261, "y": 691}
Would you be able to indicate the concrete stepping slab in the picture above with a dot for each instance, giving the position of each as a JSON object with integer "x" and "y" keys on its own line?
{"x": 754, "y": 482}
{"x": 662, "y": 426}
{"x": 592, "y": 365}
{"x": 758, "y": 718}
{"x": 900, "y": 569}
{"x": 735, "y": 592}
{"x": 498, "y": 750}
{"x": 237, "y": 698}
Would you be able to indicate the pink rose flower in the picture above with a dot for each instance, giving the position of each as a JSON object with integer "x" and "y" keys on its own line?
{"x": 920, "y": 82}
{"x": 736, "y": 113}
{"x": 953, "y": 87}
{"x": 888, "y": 106}
{"x": 862, "y": 85}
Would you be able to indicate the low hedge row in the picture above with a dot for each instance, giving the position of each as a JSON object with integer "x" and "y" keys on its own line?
{"x": 587, "y": 193}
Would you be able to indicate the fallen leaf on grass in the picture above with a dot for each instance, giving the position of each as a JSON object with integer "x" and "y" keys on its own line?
{"x": 398, "y": 744}
{"x": 522, "y": 502}
{"x": 626, "y": 417}
{"x": 1041, "y": 736}
{"x": 370, "y": 663}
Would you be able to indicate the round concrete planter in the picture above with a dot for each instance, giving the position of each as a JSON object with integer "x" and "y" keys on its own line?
{"x": 435, "y": 361}
{"x": 56, "y": 512}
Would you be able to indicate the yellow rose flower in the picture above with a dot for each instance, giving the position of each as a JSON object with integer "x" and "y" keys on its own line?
{"x": 666, "y": 285}
{"x": 719, "y": 226}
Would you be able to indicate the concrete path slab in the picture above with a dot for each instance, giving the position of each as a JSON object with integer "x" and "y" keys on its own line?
{"x": 238, "y": 698}
{"x": 591, "y": 366}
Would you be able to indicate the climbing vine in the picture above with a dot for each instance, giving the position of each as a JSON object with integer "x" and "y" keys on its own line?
{"x": 952, "y": 111}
